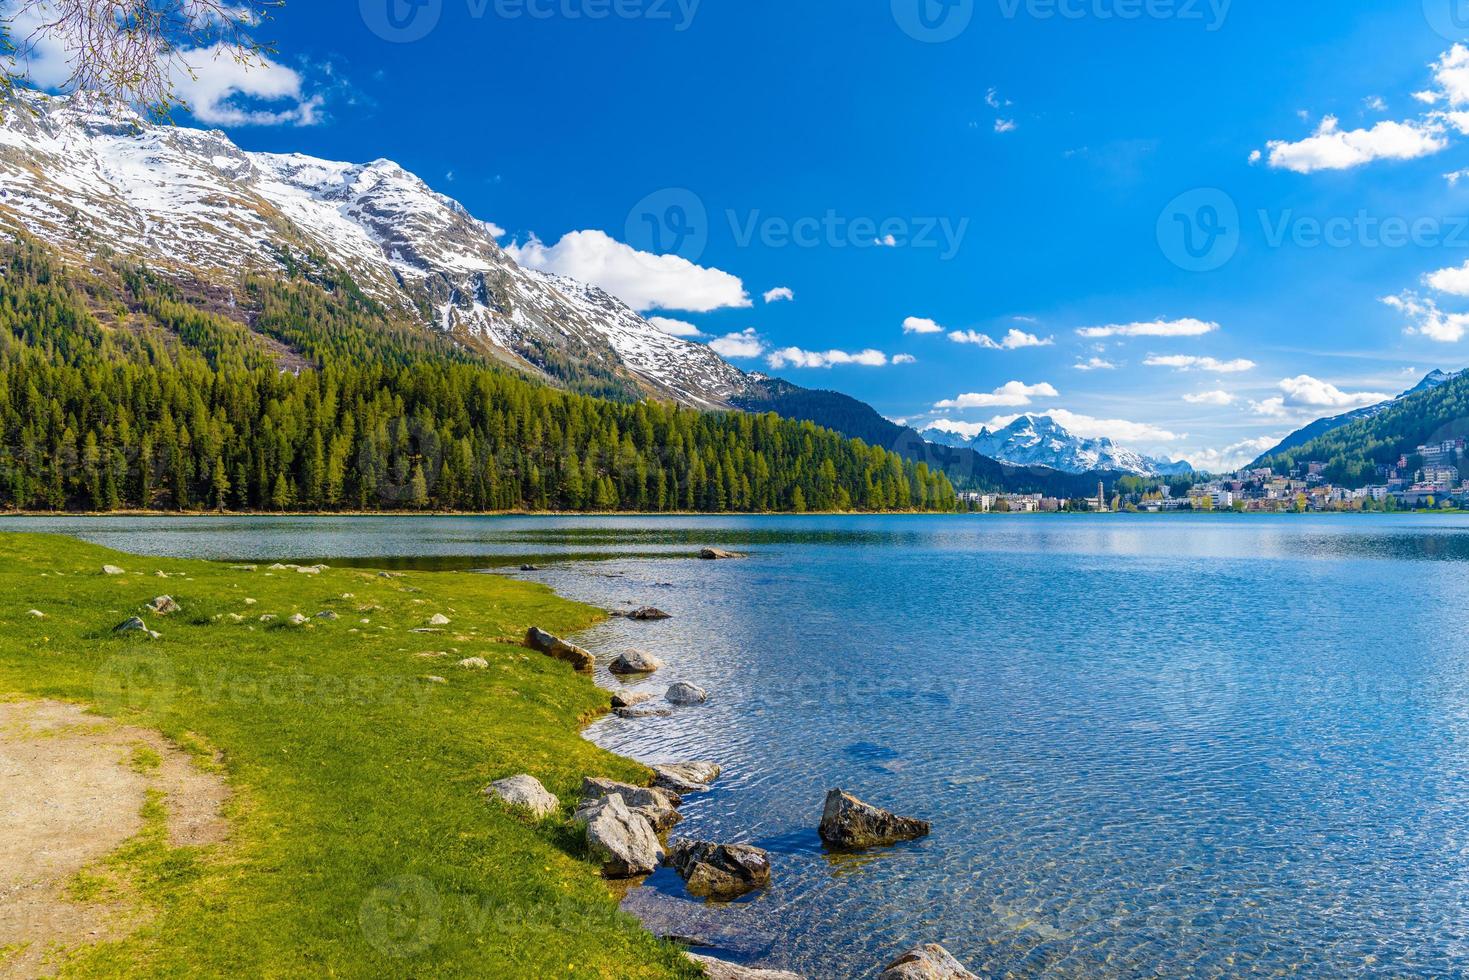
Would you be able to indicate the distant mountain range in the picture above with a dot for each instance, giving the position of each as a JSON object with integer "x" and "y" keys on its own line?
{"x": 1321, "y": 427}
{"x": 1039, "y": 440}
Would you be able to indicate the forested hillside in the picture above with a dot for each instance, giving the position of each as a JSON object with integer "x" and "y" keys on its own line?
{"x": 1353, "y": 452}
{"x": 118, "y": 389}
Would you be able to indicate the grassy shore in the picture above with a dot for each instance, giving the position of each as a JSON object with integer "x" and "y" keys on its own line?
{"x": 361, "y": 844}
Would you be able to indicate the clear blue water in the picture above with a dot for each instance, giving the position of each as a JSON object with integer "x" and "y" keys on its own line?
{"x": 1148, "y": 746}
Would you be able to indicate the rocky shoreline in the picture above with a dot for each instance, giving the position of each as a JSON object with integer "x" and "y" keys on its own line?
{"x": 628, "y": 827}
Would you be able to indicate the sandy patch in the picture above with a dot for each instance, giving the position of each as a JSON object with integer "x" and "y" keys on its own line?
{"x": 72, "y": 789}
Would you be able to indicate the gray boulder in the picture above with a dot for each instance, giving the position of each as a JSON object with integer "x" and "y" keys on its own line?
{"x": 658, "y": 806}
{"x": 686, "y": 694}
{"x": 525, "y": 793}
{"x": 134, "y": 627}
{"x": 627, "y": 699}
{"x": 473, "y": 663}
{"x": 848, "y": 822}
{"x": 622, "y": 841}
{"x": 112, "y": 570}
{"x": 554, "y": 646}
{"x": 164, "y": 605}
{"x": 647, "y": 614}
{"x": 685, "y": 777}
{"x": 720, "y": 871}
{"x": 636, "y": 662}
{"x": 719, "y": 554}
{"x": 720, "y": 970}
{"x": 928, "y": 962}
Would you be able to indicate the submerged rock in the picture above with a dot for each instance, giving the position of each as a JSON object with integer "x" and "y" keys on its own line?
{"x": 685, "y": 694}
{"x": 658, "y": 806}
{"x": 643, "y": 711}
{"x": 627, "y": 699}
{"x": 848, "y": 822}
{"x": 636, "y": 662}
{"x": 526, "y": 793}
{"x": 620, "y": 839}
{"x": 928, "y": 962}
{"x": 645, "y": 614}
{"x": 553, "y": 646}
{"x": 685, "y": 777}
{"x": 721, "y": 871}
{"x": 720, "y": 970}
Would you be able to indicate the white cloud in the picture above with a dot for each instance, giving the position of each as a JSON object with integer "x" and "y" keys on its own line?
{"x": 992, "y": 98}
{"x": 919, "y": 324}
{"x": 780, "y": 293}
{"x": 642, "y": 280}
{"x": 1094, "y": 364}
{"x": 1255, "y": 157}
{"x": 1332, "y": 148}
{"x": 1451, "y": 71}
{"x": 1230, "y": 458}
{"x": 1427, "y": 320}
{"x": 1220, "y": 398}
{"x": 795, "y": 357}
{"x": 675, "y": 328}
{"x": 904, "y": 359}
{"x": 1186, "y": 327}
{"x": 1181, "y": 362}
{"x": 1374, "y": 103}
{"x": 1014, "y": 340}
{"x": 1120, "y": 431}
{"x": 1455, "y": 176}
{"x": 1305, "y": 395}
{"x": 1453, "y": 280}
{"x": 1005, "y": 126}
{"x": 745, "y": 344}
{"x": 1011, "y": 395}
{"x": 887, "y": 241}
{"x": 967, "y": 430}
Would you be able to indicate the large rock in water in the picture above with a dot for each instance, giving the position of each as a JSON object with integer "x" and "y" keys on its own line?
{"x": 658, "y": 806}
{"x": 554, "y": 646}
{"x": 720, "y": 970}
{"x": 685, "y": 777}
{"x": 719, "y": 554}
{"x": 525, "y": 793}
{"x": 636, "y": 662}
{"x": 930, "y": 962}
{"x": 620, "y": 839}
{"x": 848, "y": 822}
{"x": 720, "y": 870}
{"x": 684, "y": 694}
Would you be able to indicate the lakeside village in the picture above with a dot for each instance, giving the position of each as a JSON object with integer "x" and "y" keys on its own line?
{"x": 1428, "y": 479}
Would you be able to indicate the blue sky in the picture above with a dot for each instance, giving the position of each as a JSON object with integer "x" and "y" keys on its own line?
{"x": 1038, "y": 170}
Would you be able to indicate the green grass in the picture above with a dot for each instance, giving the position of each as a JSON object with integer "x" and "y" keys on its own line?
{"x": 361, "y": 843}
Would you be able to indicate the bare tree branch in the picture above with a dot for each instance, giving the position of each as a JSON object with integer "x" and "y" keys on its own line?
{"x": 138, "y": 50}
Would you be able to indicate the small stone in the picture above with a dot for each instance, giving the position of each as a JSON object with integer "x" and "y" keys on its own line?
{"x": 310, "y": 569}
{"x": 297, "y": 620}
{"x": 164, "y": 605}
{"x": 627, "y": 699}
{"x": 849, "y": 823}
{"x": 636, "y": 662}
{"x": 37, "y": 614}
{"x": 432, "y": 679}
{"x": 720, "y": 871}
{"x": 268, "y": 618}
{"x": 525, "y": 793}
{"x": 112, "y": 570}
{"x": 720, "y": 970}
{"x": 474, "y": 663}
{"x": 685, "y": 777}
{"x": 553, "y": 646}
{"x": 236, "y": 618}
{"x": 686, "y": 694}
{"x": 530, "y": 568}
{"x": 928, "y": 962}
{"x": 389, "y": 574}
{"x": 328, "y": 615}
{"x": 438, "y": 619}
{"x": 135, "y": 627}
{"x": 250, "y": 602}
{"x": 645, "y": 614}
{"x": 643, "y": 711}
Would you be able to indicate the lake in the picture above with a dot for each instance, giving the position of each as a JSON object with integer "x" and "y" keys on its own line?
{"x": 1210, "y": 746}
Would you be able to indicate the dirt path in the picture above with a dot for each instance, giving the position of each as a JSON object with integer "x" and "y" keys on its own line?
{"x": 72, "y": 790}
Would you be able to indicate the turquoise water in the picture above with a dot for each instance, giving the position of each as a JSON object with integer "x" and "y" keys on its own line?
{"x": 1148, "y": 746}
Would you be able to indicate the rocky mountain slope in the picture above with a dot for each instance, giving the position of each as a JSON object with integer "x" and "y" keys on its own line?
{"x": 86, "y": 174}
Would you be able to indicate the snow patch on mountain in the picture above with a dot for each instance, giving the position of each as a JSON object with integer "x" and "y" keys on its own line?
{"x": 1038, "y": 440}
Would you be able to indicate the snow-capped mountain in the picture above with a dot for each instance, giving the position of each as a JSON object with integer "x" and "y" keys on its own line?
{"x": 83, "y": 173}
{"x": 1038, "y": 440}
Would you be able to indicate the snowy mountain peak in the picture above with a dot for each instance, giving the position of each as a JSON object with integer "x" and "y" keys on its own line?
{"x": 1039, "y": 440}
{"x": 83, "y": 172}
